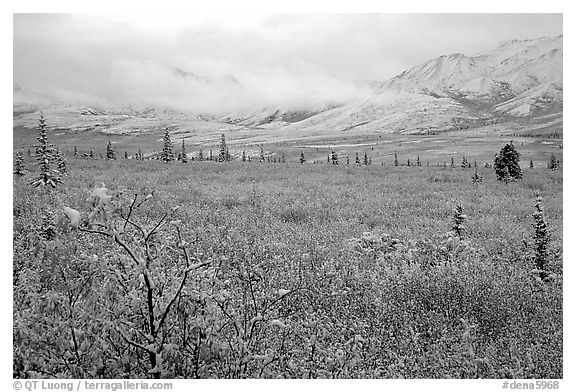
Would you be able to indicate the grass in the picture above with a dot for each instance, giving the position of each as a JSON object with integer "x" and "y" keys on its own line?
{"x": 378, "y": 287}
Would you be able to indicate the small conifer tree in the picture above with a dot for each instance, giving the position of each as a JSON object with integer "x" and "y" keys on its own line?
{"x": 302, "y": 159}
{"x": 45, "y": 155}
{"x": 531, "y": 164}
{"x": 223, "y": 155}
{"x": 357, "y": 159}
{"x": 418, "y": 163}
{"x": 19, "y": 167}
{"x": 61, "y": 162}
{"x": 347, "y": 159}
{"x": 334, "y": 158}
{"x": 261, "y": 153}
{"x": 167, "y": 154}
{"x": 476, "y": 178}
{"x": 184, "y": 156}
{"x": 541, "y": 239}
{"x": 243, "y": 155}
{"x": 459, "y": 218}
{"x": 506, "y": 164}
{"x": 75, "y": 152}
{"x": 91, "y": 154}
{"x": 110, "y": 152}
{"x": 395, "y": 158}
{"x": 211, "y": 156}
{"x": 553, "y": 164}
{"x": 452, "y": 163}
{"x": 365, "y": 158}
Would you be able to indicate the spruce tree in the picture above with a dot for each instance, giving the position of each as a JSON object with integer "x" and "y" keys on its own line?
{"x": 476, "y": 178}
{"x": 261, "y": 153}
{"x": 395, "y": 158}
{"x": 61, "y": 162}
{"x": 506, "y": 164}
{"x": 140, "y": 156}
{"x": 125, "y": 154}
{"x": 167, "y": 154}
{"x": 553, "y": 164}
{"x": 19, "y": 167}
{"x": 302, "y": 159}
{"x": 347, "y": 159}
{"x": 357, "y": 159}
{"x": 91, "y": 154}
{"x": 418, "y": 163}
{"x": 334, "y": 158}
{"x": 541, "y": 239}
{"x": 459, "y": 219}
{"x": 75, "y": 152}
{"x": 464, "y": 164}
{"x": 110, "y": 152}
{"x": 452, "y": 162}
{"x": 243, "y": 155}
{"x": 184, "y": 156}
{"x": 45, "y": 155}
{"x": 223, "y": 155}
{"x": 365, "y": 158}
{"x": 531, "y": 164}
{"x": 211, "y": 156}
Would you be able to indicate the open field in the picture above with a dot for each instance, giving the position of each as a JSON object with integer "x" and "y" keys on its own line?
{"x": 478, "y": 144}
{"x": 302, "y": 271}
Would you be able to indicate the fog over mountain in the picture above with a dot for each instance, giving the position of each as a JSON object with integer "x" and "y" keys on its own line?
{"x": 238, "y": 63}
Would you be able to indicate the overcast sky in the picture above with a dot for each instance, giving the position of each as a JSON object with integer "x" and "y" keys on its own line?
{"x": 285, "y": 58}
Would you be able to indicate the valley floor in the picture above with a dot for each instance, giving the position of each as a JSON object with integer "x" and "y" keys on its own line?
{"x": 287, "y": 270}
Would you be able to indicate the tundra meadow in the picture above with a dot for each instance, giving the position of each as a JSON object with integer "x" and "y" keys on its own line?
{"x": 132, "y": 268}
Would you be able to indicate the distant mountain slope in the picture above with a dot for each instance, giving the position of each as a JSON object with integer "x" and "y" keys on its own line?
{"x": 517, "y": 85}
{"x": 517, "y": 79}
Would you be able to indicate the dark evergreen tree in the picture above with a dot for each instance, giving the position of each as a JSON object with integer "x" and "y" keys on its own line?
{"x": 125, "y": 154}
{"x": 167, "y": 154}
{"x": 211, "y": 156}
{"x": 531, "y": 164}
{"x": 109, "y": 152}
{"x": 553, "y": 164}
{"x": 459, "y": 219}
{"x": 506, "y": 164}
{"x": 140, "y": 155}
{"x": 408, "y": 163}
{"x": 365, "y": 159}
{"x": 243, "y": 155}
{"x": 19, "y": 166}
{"x": 452, "y": 162}
{"x": 347, "y": 159}
{"x": 541, "y": 239}
{"x": 75, "y": 152}
{"x": 200, "y": 154}
{"x": 476, "y": 178}
{"x": 334, "y": 158}
{"x": 418, "y": 163}
{"x": 184, "y": 156}
{"x": 61, "y": 163}
{"x": 29, "y": 153}
{"x": 261, "y": 153}
{"x": 302, "y": 159}
{"x": 45, "y": 156}
{"x": 91, "y": 154}
{"x": 224, "y": 154}
{"x": 357, "y": 161}
{"x": 395, "y": 158}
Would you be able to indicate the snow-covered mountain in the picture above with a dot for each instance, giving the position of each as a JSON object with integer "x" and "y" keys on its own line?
{"x": 518, "y": 85}
{"x": 511, "y": 83}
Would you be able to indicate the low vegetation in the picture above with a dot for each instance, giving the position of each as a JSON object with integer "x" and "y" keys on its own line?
{"x": 142, "y": 269}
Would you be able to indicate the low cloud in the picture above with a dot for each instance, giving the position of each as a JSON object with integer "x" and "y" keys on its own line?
{"x": 241, "y": 62}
